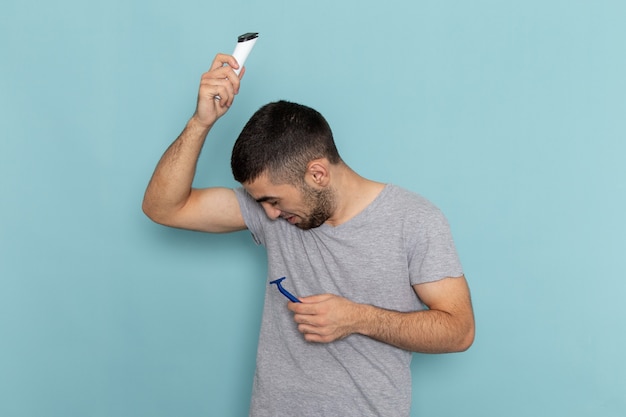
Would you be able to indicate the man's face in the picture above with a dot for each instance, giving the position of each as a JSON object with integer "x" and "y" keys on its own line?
{"x": 303, "y": 206}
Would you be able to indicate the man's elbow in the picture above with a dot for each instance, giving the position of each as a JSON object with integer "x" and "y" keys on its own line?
{"x": 154, "y": 214}
{"x": 466, "y": 339}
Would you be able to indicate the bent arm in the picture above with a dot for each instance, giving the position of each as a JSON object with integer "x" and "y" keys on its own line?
{"x": 170, "y": 199}
{"x": 447, "y": 326}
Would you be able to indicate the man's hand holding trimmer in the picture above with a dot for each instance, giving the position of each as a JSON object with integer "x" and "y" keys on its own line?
{"x": 217, "y": 91}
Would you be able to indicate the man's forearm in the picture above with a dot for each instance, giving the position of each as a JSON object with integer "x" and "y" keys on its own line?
{"x": 325, "y": 318}
{"x": 171, "y": 182}
{"x": 429, "y": 331}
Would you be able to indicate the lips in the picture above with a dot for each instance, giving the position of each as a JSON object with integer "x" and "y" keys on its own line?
{"x": 291, "y": 219}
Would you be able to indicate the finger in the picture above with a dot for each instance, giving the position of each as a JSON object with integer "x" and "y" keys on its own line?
{"x": 307, "y": 320}
{"x": 222, "y": 59}
{"x": 302, "y": 308}
{"x": 316, "y": 299}
{"x": 222, "y": 87}
{"x": 216, "y": 94}
{"x": 226, "y": 65}
{"x": 224, "y": 95}
{"x": 308, "y": 329}
{"x": 314, "y": 335}
{"x": 221, "y": 74}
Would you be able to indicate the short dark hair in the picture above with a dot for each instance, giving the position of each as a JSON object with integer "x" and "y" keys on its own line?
{"x": 281, "y": 138}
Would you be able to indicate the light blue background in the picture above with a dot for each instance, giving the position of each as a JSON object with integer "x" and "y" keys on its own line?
{"x": 509, "y": 115}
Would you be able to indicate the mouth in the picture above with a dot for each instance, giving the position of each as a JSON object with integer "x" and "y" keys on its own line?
{"x": 291, "y": 219}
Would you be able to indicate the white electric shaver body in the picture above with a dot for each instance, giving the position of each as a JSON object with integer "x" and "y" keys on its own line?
{"x": 245, "y": 43}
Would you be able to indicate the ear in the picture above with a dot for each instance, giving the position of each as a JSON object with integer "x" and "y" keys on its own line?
{"x": 317, "y": 173}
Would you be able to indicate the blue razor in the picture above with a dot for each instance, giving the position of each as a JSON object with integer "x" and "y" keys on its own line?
{"x": 284, "y": 291}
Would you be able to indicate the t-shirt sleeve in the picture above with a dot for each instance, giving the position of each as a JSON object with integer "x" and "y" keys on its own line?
{"x": 433, "y": 255}
{"x": 251, "y": 212}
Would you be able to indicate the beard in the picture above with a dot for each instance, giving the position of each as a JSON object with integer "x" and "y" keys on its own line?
{"x": 321, "y": 203}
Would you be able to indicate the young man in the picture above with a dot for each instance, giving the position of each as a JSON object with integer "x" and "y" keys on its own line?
{"x": 374, "y": 265}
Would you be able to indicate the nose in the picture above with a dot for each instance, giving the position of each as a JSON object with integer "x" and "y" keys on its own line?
{"x": 272, "y": 212}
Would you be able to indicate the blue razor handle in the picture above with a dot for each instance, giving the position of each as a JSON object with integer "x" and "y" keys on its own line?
{"x": 284, "y": 291}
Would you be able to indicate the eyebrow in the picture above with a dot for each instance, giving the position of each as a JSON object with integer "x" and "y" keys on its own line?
{"x": 265, "y": 198}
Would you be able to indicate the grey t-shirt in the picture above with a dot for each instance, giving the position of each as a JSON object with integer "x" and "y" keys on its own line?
{"x": 399, "y": 240}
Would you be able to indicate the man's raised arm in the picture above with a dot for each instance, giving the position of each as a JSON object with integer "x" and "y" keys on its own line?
{"x": 169, "y": 199}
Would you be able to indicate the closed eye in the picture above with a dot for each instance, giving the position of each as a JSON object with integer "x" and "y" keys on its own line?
{"x": 271, "y": 200}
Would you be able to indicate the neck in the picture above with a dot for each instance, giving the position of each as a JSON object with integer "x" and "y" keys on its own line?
{"x": 353, "y": 193}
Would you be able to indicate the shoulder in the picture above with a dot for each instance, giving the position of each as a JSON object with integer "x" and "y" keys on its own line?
{"x": 413, "y": 213}
{"x": 408, "y": 201}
